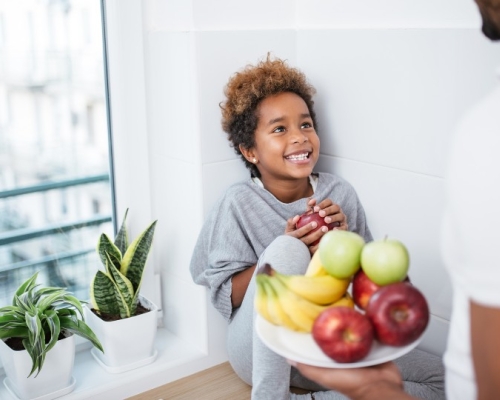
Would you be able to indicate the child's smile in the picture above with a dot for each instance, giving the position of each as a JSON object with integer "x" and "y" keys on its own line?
{"x": 286, "y": 144}
{"x": 299, "y": 157}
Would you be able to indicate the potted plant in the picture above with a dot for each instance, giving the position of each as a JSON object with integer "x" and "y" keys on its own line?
{"x": 124, "y": 320}
{"x": 37, "y": 347}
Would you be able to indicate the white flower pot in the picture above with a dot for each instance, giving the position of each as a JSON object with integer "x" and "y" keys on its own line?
{"x": 54, "y": 379}
{"x": 128, "y": 343}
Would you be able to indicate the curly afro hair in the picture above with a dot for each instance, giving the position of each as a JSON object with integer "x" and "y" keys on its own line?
{"x": 247, "y": 88}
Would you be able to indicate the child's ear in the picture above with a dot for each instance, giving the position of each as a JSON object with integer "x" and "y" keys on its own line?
{"x": 247, "y": 153}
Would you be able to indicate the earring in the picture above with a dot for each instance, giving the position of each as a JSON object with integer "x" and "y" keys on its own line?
{"x": 254, "y": 160}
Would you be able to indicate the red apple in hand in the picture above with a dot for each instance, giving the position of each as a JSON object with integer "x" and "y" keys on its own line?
{"x": 311, "y": 216}
{"x": 343, "y": 334}
{"x": 399, "y": 313}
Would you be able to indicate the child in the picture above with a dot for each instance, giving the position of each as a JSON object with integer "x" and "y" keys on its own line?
{"x": 270, "y": 121}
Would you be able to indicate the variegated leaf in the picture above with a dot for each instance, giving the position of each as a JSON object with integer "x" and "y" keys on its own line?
{"x": 106, "y": 245}
{"x": 121, "y": 239}
{"x": 125, "y": 293}
{"x": 102, "y": 294}
{"x": 134, "y": 260}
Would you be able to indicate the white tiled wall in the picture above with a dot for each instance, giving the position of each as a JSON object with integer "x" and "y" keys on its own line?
{"x": 393, "y": 77}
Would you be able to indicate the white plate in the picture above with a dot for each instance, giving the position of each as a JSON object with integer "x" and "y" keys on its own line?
{"x": 302, "y": 348}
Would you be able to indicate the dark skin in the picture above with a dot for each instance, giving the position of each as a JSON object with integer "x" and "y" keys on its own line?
{"x": 285, "y": 152}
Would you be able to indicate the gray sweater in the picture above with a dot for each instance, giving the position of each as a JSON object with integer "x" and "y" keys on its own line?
{"x": 246, "y": 219}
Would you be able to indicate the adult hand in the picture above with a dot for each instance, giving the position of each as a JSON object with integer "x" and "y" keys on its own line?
{"x": 378, "y": 382}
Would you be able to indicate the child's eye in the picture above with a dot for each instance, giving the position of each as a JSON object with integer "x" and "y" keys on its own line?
{"x": 306, "y": 125}
{"x": 279, "y": 129}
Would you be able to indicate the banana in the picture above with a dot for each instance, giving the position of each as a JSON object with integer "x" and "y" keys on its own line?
{"x": 345, "y": 301}
{"x": 323, "y": 289}
{"x": 301, "y": 311}
{"x": 260, "y": 299}
{"x": 315, "y": 267}
{"x": 276, "y": 313}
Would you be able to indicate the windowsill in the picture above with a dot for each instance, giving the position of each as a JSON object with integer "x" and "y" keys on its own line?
{"x": 174, "y": 361}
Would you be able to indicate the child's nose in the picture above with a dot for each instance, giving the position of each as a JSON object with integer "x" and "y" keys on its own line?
{"x": 298, "y": 136}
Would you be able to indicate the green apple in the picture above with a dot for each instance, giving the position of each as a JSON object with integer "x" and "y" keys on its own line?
{"x": 385, "y": 261}
{"x": 340, "y": 253}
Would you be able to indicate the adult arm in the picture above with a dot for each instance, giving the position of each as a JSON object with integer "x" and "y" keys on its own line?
{"x": 485, "y": 329}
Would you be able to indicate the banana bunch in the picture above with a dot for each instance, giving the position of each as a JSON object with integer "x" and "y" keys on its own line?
{"x": 294, "y": 301}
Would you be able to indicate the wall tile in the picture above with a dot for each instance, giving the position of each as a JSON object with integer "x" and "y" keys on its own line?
{"x": 171, "y": 15}
{"x": 184, "y": 311}
{"x": 386, "y": 13}
{"x": 172, "y": 107}
{"x": 219, "y": 56}
{"x": 177, "y": 204}
{"x": 238, "y": 15}
{"x": 217, "y": 177}
{"x": 393, "y": 97}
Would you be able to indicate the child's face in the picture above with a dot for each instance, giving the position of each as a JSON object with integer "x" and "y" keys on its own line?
{"x": 286, "y": 143}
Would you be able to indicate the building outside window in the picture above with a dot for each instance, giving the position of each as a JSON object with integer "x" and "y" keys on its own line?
{"x": 55, "y": 185}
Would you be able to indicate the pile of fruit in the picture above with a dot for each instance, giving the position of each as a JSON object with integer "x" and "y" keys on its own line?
{"x": 351, "y": 295}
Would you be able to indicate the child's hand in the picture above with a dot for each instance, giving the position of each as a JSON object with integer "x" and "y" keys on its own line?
{"x": 304, "y": 233}
{"x": 331, "y": 212}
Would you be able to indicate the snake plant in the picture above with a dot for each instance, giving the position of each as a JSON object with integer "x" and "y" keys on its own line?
{"x": 38, "y": 315}
{"x": 115, "y": 291}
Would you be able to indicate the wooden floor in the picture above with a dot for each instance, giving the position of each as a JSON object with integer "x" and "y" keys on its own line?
{"x": 216, "y": 383}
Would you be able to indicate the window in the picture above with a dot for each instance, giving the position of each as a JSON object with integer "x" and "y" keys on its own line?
{"x": 55, "y": 185}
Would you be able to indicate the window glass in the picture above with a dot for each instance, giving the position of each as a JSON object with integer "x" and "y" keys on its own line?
{"x": 55, "y": 191}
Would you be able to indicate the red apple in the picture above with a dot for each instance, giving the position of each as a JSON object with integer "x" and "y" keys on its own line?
{"x": 363, "y": 289}
{"x": 399, "y": 313}
{"x": 311, "y": 216}
{"x": 343, "y": 334}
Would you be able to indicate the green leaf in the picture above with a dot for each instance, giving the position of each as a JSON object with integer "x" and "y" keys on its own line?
{"x": 80, "y": 328}
{"x": 121, "y": 240}
{"x": 48, "y": 300}
{"x": 34, "y": 326}
{"x": 106, "y": 245}
{"x": 111, "y": 259}
{"x": 125, "y": 292}
{"x": 18, "y": 332}
{"x": 134, "y": 260}
{"x": 28, "y": 285}
{"x": 102, "y": 294}
{"x": 52, "y": 321}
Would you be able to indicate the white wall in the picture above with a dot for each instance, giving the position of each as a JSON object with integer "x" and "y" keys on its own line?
{"x": 393, "y": 77}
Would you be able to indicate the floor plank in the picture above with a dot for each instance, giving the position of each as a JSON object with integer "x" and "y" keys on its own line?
{"x": 216, "y": 383}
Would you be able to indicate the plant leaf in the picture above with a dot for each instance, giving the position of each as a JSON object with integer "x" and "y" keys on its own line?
{"x": 121, "y": 239}
{"x": 18, "y": 332}
{"x": 52, "y": 321}
{"x": 27, "y": 285}
{"x": 80, "y": 328}
{"x": 106, "y": 245}
{"x": 125, "y": 292}
{"x": 134, "y": 260}
{"x": 102, "y": 294}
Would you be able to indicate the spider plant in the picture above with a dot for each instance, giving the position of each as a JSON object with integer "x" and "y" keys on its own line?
{"x": 39, "y": 315}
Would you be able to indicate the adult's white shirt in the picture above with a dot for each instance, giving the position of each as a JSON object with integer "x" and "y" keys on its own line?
{"x": 471, "y": 234}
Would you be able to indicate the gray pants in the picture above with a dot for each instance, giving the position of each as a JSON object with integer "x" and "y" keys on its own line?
{"x": 271, "y": 376}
